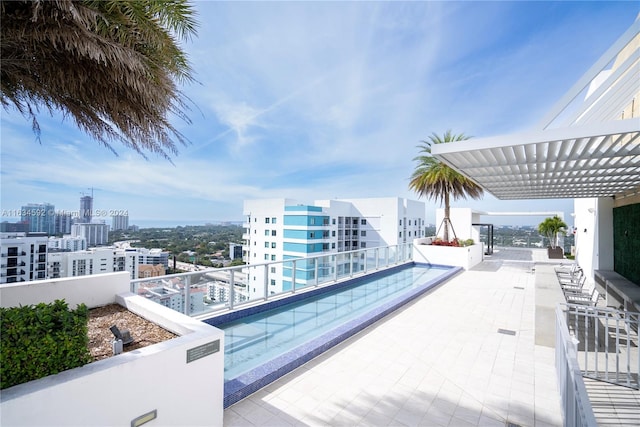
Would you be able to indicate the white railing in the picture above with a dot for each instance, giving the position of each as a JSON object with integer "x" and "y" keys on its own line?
{"x": 215, "y": 289}
{"x": 576, "y": 407}
{"x": 608, "y": 343}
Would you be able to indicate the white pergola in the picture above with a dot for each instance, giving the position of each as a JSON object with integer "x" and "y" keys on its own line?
{"x": 583, "y": 150}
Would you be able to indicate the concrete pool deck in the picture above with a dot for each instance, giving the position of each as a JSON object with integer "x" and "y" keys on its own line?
{"x": 463, "y": 354}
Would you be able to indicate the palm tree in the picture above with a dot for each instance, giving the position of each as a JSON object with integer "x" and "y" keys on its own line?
{"x": 434, "y": 179}
{"x": 551, "y": 227}
{"x": 112, "y": 66}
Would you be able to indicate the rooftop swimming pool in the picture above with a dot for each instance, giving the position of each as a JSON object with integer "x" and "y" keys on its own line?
{"x": 262, "y": 343}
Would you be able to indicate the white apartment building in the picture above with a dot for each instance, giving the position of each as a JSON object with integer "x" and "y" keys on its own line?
{"x": 95, "y": 234}
{"x": 67, "y": 243}
{"x": 281, "y": 229}
{"x": 174, "y": 298}
{"x": 152, "y": 256}
{"x": 119, "y": 222}
{"x": 23, "y": 257}
{"x": 92, "y": 261}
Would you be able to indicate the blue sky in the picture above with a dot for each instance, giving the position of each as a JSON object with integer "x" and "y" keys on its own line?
{"x": 317, "y": 100}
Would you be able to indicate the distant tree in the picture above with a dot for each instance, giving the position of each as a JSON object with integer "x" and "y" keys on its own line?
{"x": 435, "y": 180}
{"x": 111, "y": 66}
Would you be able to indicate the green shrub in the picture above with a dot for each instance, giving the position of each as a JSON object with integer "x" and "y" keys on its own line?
{"x": 41, "y": 340}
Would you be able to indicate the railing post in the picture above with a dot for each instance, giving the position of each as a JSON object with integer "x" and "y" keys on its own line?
{"x": 335, "y": 268}
{"x": 266, "y": 282}
{"x": 293, "y": 277}
{"x": 350, "y": 264}
{"x": 377, "y": 258}
{"x": 386, "y": 256}
{"x": 365, "y": 261}
{"x": 232, "y": 288}
{"x": 187, "y": 295}
{"x": 316, "y": 270}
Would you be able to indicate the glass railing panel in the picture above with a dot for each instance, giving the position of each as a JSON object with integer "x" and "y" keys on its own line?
{"x": 211, "y": 290}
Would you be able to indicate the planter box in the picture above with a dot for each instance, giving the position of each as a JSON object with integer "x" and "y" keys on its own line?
{"x": 555, "y": 253}
{"x": 465, "y": 257}
{"x": 179, "y": 380}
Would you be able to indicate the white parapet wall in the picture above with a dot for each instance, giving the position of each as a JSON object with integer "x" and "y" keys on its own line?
{"x": 465, "y": 257}
{"x": 173, "y": 383}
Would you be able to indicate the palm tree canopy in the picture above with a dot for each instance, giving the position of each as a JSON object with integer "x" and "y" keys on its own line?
{"x": 551, "y": 227}
{"x": 435, "y": 180}
{"x": 112, "y": 66}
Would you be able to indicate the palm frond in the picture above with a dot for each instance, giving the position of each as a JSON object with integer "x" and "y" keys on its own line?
{"x": 110, "y": 66}
{"x": 435, "y": 180}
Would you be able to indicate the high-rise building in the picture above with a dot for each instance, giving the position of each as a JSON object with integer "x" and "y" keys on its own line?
{"x": 119, "y": 222}
{"x": 40, "y": 217}
{"x": 95, "y": 234}
{"x": 281, "y": 229}
{"x": 24, "y": 257}
{"x": 63, "y": 222}
{"x": 86, "y": 209}
{"x": 14, "y": 227}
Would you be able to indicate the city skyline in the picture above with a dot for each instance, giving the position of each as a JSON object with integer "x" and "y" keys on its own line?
{"x": 324, "y": 100}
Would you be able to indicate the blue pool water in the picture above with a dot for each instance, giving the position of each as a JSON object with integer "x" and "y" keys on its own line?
{"x": 263, "y": 346}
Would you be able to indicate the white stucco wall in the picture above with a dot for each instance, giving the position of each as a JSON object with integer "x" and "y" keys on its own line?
{"x": 95, "y": 290}
{"x": 461, "y": 219}
{"x": 594, "y": 234}
{"x": 465, "y": 257}
{"x": 117, "y": 390}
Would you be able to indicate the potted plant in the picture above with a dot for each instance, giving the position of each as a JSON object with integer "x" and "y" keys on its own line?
{"x": 551, "y": 228}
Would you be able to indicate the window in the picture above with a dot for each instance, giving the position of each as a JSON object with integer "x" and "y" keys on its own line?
{"x": 363, "y": 244}
{"x": 273, "y": 245}
{"x": 266, "y": 257}
{"x": 273, "y": 257}
{"x": 333, "y": 233}
{"x": 266, "y": 220}
{"x": 400, "y": 222}
{"x": 333, "y": 246}
{"x": 312, "y": 221}
{"x": 273, "y": 270}
{"x": 273, "y": 232}
{"x": 363, "y": 222}
{"x": 255, "y": 242}
{"x": 333, "y": 221}
{"x": 42, "y": 248}
{"x": 266, "y": 244}
{"x": 266, "y": 232}
{"x": 355, "y": 221}
{"x": 400, "y": 234}
{"x": 273, "y": 282}
{"x": 273, "y": 220}
{"x": 311, "y": 234}
{"x": 363, "y": 233}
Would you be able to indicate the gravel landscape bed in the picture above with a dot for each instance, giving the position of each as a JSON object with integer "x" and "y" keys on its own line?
{"x": 143, "y": 332}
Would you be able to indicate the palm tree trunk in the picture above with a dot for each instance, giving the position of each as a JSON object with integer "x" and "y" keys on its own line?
{"x": 446, "y": 217}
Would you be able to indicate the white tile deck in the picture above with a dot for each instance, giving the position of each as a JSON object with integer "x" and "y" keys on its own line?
{"x": 440, "y": 361}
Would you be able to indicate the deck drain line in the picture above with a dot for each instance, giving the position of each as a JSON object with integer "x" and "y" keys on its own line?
{"x": 506, "y": 331}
